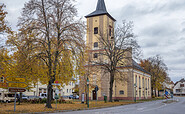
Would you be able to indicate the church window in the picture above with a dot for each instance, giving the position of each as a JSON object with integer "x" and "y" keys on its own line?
{"x": 136, "y": 80}
{"x": 121, "y": 92}
{"x": 148, "y": 83}
{"x": 96, "y": 30}
{"x": 139, "y": 82}
{"x": 110, "y": 31}
{"x": 94, "y": 79}
{"x": 95, "y": 55}
{"x": 143, "y": 82}
{"x": 95, "y": 44}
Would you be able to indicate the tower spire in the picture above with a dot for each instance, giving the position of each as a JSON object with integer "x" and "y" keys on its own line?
{"x": 100, "y": 10}
{"x": 101, "y": 6}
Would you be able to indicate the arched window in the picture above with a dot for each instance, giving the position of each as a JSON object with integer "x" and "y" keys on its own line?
{"x": 110, "y": 31}
{"x": 95, "y": 55}
{"x": 95, "y": 44}
{"x": 96, "y": 30}
{"x": 121, "y": 92}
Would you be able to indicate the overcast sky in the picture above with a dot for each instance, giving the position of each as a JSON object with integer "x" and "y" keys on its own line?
{"x": 159, "y": 25}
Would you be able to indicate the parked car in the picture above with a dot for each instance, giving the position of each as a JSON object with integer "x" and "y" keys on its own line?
{"x": 73, "y": 97}
{"x": 7, "y": 97}
{"x": 70, "y": 96}
{"x": 43, "y": 95}
{"x": 77, "y": 97}
{"x": 24, "y": 97}
{"x": 33, "y": 97}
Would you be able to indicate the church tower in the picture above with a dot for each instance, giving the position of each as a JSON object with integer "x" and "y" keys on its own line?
{"x": 99, "y": 22}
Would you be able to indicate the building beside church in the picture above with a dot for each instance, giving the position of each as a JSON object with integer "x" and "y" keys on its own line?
{"x": 179, "y": 88}
{"x": 138, "y": 81}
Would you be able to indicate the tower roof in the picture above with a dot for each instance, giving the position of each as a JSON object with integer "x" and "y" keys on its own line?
{"x": 100, "y": 10}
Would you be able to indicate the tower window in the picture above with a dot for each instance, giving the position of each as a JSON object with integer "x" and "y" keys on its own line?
{"x": 96, "y": 30}
{"x": 110, "y": 31}
{"x": 121, "y": 92}
{"x": 95, "y": 44}
{"x": 95, "y": 55}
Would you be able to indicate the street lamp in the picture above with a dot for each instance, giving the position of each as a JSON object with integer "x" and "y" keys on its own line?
{"x": 87, "y": 92}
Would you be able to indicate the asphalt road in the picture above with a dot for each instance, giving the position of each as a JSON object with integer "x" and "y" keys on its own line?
{"x": 153, "y": 107}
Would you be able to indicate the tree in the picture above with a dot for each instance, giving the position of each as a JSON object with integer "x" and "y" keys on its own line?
{"x": 158, "y": 69}
{"x": 58, "y": 36}
{"x": 117, "y": 52}
{"x": 5, "y": 62}
{"x": 3, "y": 24}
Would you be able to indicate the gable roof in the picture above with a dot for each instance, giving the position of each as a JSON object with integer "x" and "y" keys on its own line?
{"x": 182, "y": 80}
{"x": 138, "y": 67}
{"x": 100, "y": 10}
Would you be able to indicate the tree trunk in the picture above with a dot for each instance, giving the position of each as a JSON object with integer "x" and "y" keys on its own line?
{"x": 155, "y": 93}
{"x": 111, "y": 86}
{"x": 158, "y": 93}
{"x": 49, "y": 92}
{"x": 152, "y": 92}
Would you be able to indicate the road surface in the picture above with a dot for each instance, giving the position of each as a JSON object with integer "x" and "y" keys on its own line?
{"x": 153, "y": 107}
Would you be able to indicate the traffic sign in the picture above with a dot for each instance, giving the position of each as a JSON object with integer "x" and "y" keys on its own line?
{"x": 15, "y": 79}
{"x": 18, "y": 85}
{"x": 16, "y": 89}
{"x": 166, "y": 92}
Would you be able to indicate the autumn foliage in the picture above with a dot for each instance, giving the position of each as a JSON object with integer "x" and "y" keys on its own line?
{"x": 158, "y": 70}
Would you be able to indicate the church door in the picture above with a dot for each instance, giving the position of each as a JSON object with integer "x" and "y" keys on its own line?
{"x": 94, "y": 95}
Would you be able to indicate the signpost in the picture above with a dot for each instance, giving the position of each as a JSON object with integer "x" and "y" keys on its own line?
{"x": 166, "y": 94}
{"x": 15, "y": 79}
{"x": 3, "y": 85}
{"x": 56, "y": 91}
{"x": 16, "y": 89}
{"x": 16, "y": 84}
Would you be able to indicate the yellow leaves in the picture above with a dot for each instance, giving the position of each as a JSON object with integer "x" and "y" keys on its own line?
{"x": 157, "y": 69}
{"x": 3, "y": 24}
{"x": 5, "y": 61}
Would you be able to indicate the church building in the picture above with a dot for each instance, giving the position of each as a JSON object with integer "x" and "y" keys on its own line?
{"x": 137, "y": 83}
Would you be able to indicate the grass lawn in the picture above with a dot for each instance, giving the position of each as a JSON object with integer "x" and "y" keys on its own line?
{"x": 76, "y": 105}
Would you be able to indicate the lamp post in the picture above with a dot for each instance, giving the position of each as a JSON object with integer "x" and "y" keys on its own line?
{"x": 87, "y": 92}
{"x": 135, "y": 93}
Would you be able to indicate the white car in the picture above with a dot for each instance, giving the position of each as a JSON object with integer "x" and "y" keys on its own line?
{"x": 43, "y": 95}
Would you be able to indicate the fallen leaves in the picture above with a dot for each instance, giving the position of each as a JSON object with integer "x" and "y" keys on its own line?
{"x": 32, "y": 108}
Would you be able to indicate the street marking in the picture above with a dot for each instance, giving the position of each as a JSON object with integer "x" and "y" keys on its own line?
{"x": 140, "y": 108}
{"x": 154, "y": 108}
